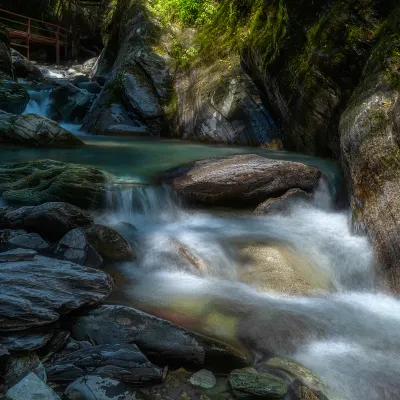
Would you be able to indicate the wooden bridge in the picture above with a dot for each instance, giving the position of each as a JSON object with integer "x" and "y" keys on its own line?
{"x": 24, "y": 30}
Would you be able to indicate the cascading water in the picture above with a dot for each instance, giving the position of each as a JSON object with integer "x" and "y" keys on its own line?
{"x": 228, "y": 275}
{"x": 189, "y": 267}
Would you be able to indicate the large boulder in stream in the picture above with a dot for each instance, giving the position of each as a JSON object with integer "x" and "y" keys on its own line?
{"x": 23, "y": 67}
{"x": 38, "y": 182}
{"x": 161, "y": 341}
{"x": 240, "y": 181}
{"x": 34, "y": 130}
{"x": 109, "y": 243}
{"x": 69, "y": 103}
{"x": 35, "y": 293}
{"x": 50, "y": 220}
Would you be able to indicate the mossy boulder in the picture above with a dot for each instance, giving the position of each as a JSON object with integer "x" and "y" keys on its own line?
{"x": 6, "y": 68}
{"x": 13, "y": 97}
{"x": 38, "y": 182}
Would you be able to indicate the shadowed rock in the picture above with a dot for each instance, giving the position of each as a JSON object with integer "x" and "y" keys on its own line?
{"x": 240, "y": 180}
{"x": 283, "y": 203}
{"x": 20, "y": 365}
{"x": 23, "y": 67}
{"x": 35, "y": 293}
{"x": 126, "y": 363}
{"x": 17, "y": 255}
{"x": 28, "y": 340}
{"x": 161, "y": 341}
{"x": 109, "y": 243}
{"x": 34, "y": 130}
{"x": 94, "y": 387}
{"x": 31, "y": 388}
{"x": 50, "y": 220}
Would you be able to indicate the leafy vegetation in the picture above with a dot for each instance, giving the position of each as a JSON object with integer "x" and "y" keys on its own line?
{"x": 186, "y": 12}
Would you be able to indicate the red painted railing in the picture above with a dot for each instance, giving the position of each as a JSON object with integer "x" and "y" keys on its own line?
{"x": 30, "y": 30}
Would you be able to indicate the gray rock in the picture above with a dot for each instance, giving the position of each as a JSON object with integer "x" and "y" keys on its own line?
{"x": 220, "y": 106}
{"x": 34, "y": 130}
{"x": 37, "y": 182}
{"x": 283, "y": 204}
{"x": 162, "y": 342}
{"x": 23, "y": 67}
{"x": 139, "y": 89}
{"x": 50, "y": 220}
{"x": 249, "y": 384}
{"x": 68, "y": 103}
{"x": 31, "y": 388}
{"x": 109, "y": 243}
{"x": 369, "y": 130}
{"x": 98, "y": 388}
{"x": 91, "y": 87}
{"x": 204, "y": 379}
{"x": 38, "y": 291}
{"x": 17, "y": 255}
{"x": 31, "y": 241}
{"x": 21, "y": 365}
{"x": 124, "y": 363}
{"x": 240, "y": 180}
{"x": 27, "y": 340}
{"x": 74, "y": 247}
{"x": 13, "y": 97}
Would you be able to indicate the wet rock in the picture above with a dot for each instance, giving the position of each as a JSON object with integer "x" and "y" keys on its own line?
{"x": 51, "y": 220}
{"x": 38, "y": 182}
{"x": 240, "y": 180}
{"x": 125, "y": 363}
{"x": 283, "y": 204}
{"x": 31, "y": 241}
{"x": 38, "y": 291}
{"x": 295, "y": 371}
{"x": 13, "y": 97}
{"x": 21, "y": 365}
{"x": 74, "y": 247}
{"x": 91, "y": 87}
{"x": 69, "y": 103}
{"x": 23, "y": 67}
{"x": 75, "y": 345}
{"x": 109, "y": 243}
{"x": 28, "y": 340}
{"x": 56, "y": 344}
{"x": 34, "y": 130}
{"x": 31, "y": 388}
{"x": 94, "y": 387}
{"x": 204, "y": 379}
{"x": 17, "y": 255}
{"x": 249, "y": 384}
{"x": 161, "y": 341}
{"x": 298, "y": 391}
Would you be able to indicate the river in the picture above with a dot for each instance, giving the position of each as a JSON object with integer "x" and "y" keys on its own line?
{"x": 347, "y": 330}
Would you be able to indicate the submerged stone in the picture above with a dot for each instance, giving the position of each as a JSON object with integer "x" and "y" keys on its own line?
{"x": 248, "y": 384}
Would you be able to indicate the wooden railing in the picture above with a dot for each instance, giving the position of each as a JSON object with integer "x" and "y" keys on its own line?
{"x": 23, "y": 29}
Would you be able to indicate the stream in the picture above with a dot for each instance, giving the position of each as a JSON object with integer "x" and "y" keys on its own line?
{"x": 345, "y": 328}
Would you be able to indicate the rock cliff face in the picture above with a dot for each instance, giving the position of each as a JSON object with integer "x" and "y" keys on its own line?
{"x": 370, "y": 133}
{"x": 150, "y": 92}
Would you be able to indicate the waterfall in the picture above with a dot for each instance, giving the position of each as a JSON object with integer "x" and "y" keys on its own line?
{"x": 39, "y": 103}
